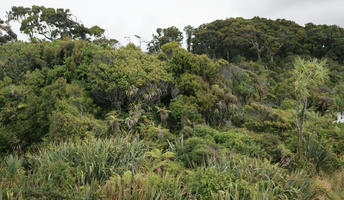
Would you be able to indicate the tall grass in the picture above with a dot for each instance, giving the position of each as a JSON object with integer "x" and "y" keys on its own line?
{"x": 253, "y": 178}
{"x": 144, "y": 186}
{"x": 71, "y": 169}
{"x": 319, "y": 154}
{"x": 97, "y": 159}
{"x": 122, "y": 168}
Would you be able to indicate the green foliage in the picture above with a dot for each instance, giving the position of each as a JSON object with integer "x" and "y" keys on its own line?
{"x": 183, "y": 61}
{"x": 134, "y": 76}
{"x": 239, "y": 141}
{"x": 18, "y": 58}
{"x": 57, "y": 170}
{"x": 235, "y": 177}
{"x": 205, "y": 182}
{"x": 339, "y": 96}
{"x": 261, "y": 39}
{"x": 168, "y": 48}
{"x": 51, "y": 23}
{"x": 308, "y": 74}
{"x": 164, "y": 36}
{"x": 92, "y": 120}
{"x": 53, "y": 180}
{"x": 204, "y": 131}
{"x": 319, "y": 154}
{"x": 262, "y": 118}
{"x": 144, "y": 186}
{"x": 96, "y": 158}
{"x": 158, "y": 134}
{"x": 335, "y": 136}
{"x": 65, "y": 125}
{"x": 183, "y": 111}
{"x": 197, "y": 151}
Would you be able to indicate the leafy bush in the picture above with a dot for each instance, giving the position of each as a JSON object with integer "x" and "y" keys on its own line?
{"x": 207, "y": 181}
{"x": 272, "y": 145}
{"x": 262, "y": 118}
{"x": 158, "y": 134}
{"x": 120, "y": 77}
{"x": 203, "y": 131}
{"x": 183, "y": 112}
{"x": 196, "y": 151}
{"x": 239, "y": 141}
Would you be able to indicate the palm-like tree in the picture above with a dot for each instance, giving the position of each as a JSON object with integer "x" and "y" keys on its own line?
{"x": 308, "y": 74}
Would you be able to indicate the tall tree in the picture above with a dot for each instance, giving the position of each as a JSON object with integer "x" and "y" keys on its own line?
{"x": 163, "y": 36}
{"x": 308, "y": 75}
{"x": 325, "y": 40}
{"x": 51, "y": 23}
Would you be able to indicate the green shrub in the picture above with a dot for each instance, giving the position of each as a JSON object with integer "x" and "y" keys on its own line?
{"x": 203, "y": 131}
{"x": 204, "y": 182}
{"x": 186, "y": 132}
{"x": 65, "y": 126}
{"x": 159, "y": 135}
{"x": 52, "y": 181}
{"x": 239, "y": 141}
{"x": 271, "y": 144}
{"x": 262, "y": 118}
{"x": 184, "y": 112}
{"x": 196, "y": 151}
{"x": 117, "y": 78}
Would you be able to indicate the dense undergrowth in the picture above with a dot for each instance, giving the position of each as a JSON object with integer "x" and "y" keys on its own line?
{"x": 82, "y": 120}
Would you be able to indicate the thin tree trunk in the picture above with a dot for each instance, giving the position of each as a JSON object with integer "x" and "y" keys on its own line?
{"x": 303, "y": 115}
{"x": 300, "y": 123}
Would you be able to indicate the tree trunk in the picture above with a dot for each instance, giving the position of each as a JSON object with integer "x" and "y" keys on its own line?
{"x": 300, "y": 123}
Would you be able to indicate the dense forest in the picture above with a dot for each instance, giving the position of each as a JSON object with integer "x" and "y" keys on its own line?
{"x": 247, "y": 111}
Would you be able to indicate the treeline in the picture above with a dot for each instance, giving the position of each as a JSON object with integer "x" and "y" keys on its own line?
{"x": 257, "y": 39}
{"x": 261, "y": 39}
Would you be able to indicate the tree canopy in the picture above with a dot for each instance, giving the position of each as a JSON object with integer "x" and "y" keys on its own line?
{"x": 164, "y": 36}
{"x": 51, "y": 24}
{"x": 265, "y": 39}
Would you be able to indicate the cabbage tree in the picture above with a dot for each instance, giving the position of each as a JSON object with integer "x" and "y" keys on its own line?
{"x": 308, "y": 74}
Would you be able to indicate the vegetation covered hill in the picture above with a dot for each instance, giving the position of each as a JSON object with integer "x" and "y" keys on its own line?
{"x": 246, "y": 112}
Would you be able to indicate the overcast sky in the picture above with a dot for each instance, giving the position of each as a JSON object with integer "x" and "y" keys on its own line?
{"x": 142, "y": 17}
